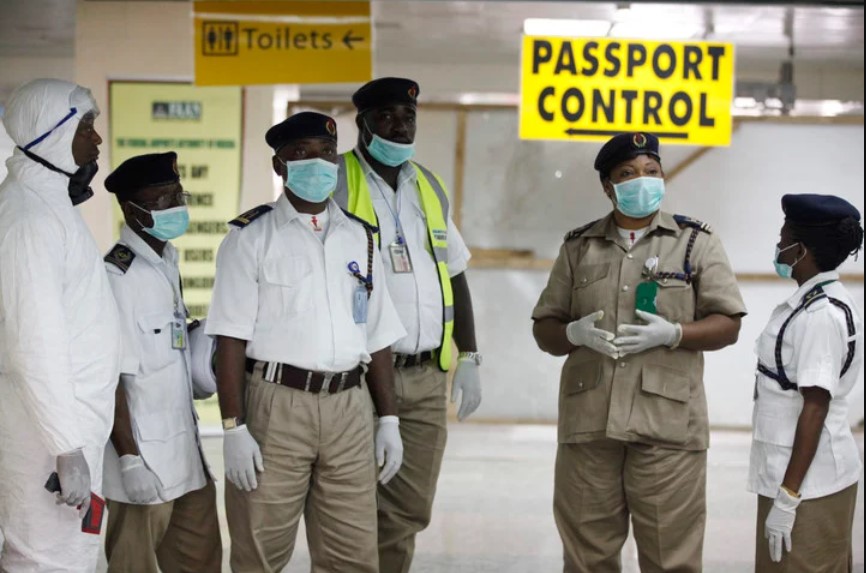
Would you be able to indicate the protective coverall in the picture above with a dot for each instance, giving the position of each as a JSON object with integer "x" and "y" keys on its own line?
{"x": 59, "y": 335}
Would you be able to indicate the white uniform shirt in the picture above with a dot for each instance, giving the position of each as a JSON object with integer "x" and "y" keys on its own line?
{"x": 291, "y": 296}
{"x": 416, "y": 295}
{"x": 814, "y": 350}
{"x": 157, "y": 377}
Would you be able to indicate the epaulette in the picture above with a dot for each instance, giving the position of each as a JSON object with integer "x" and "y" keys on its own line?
{"x": 684, "y": 221}
{"x": 575, "y": 233}
{"x": 245, "y": 219}
{"x": 120, "y": 256}
{"x": 354, "y": 217}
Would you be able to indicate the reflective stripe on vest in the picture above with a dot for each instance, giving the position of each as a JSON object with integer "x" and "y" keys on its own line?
{"x": 353, "y": 194}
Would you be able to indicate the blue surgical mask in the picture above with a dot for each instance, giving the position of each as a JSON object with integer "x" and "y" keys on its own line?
{"x": 168, "y": 224}
{"x": 784, "y": 270}
{"x": 639, "y": 197}
{"x": 312, "y": 180}
{"x": 389, "y": 153}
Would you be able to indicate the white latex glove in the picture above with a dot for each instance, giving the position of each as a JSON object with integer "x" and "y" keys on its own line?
{"x": 780, "y": 523}
{"x": 389, "y": 448}
{"x": 140, "y": 484}
{"x": 243, "y": 458}
{"x": 640, "y": 337}
{"x": 467, "y": 381}
{"x": 584, "y": 333}
{"x": 74, "y": 474}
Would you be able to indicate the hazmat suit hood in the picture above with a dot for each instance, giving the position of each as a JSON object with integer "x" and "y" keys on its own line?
{"x": 41, "y": 118}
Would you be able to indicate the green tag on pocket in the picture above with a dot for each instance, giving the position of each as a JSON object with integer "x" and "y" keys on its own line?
{"x": 645, "y": 297}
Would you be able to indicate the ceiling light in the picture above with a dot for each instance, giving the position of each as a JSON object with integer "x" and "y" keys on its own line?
{"x": 568, "y": 28}
{"x": 655, "y": 30}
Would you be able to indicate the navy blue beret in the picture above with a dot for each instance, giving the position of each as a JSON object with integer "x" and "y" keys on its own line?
{"x": 143, "y": 171}
{"x": 386, "y": 91}
{"x": 810, "y": 209}
{"x": 626, "y": 146}
{"x": 301, "y": 126}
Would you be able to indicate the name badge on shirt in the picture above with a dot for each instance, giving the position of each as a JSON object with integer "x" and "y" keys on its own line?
{"x": 178, "y": 334}
{"x": 359, "y": 305}
{"x": 400, "y": 261}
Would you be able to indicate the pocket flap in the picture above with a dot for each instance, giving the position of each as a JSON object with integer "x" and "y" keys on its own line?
{"x": 665, "y": 382}
{"x": 155, "y": 321}
{"x": 581, "y": 377}
{"x": 672, "y": 282}
{"x": 585, "y": 275}
{"x": 286, "y": 272}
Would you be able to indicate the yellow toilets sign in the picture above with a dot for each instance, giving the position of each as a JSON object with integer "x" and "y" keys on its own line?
{"x": 252, "y": 42}
{"x": 593, "y": 88}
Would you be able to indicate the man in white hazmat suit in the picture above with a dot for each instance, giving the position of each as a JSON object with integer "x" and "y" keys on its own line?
{"x": 59, "y": 332}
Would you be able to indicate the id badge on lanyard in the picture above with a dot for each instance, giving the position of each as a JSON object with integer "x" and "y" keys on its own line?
{"x": 178, "y": 331}
{"x": 400, "y": 261}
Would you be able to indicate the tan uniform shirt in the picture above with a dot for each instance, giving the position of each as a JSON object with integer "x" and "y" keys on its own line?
{"x": 657, "y": 396}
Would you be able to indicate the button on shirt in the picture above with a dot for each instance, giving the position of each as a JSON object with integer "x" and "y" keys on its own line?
{"x": 156, "y": 377}
{"x": 417, "y": 295}
{"x": 291, "y": 296}
{"x": 814, "y": 350}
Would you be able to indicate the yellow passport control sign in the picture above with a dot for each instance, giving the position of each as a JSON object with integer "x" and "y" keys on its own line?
{"x": 593, "y": 88}
{"x": 242, "y": 42}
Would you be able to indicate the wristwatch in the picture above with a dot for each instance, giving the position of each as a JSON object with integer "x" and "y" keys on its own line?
{"x": 473, "y": 356}
{"x": 232, "y": 423}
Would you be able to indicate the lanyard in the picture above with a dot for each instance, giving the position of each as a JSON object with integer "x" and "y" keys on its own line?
{"x": 394, "y": 215}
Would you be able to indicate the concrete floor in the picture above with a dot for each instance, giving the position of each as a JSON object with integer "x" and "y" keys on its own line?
{"x": 493, "y": 507}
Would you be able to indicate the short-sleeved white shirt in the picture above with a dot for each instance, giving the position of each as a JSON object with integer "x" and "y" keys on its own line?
{"x": 416, "y": 295}
{"x": 291, "y": 296}
{"x": 157, "y": 378}
{"x": 814, "y": 350}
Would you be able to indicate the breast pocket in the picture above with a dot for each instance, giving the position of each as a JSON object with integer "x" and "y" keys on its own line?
{"x": 155, "y": 338}
{"x": 590, "y": 290}
{"x": 675, "y": 300}
{"x": 286, "y": 286}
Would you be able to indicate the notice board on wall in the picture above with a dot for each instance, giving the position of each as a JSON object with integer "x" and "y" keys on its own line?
{"x": 203, "y": 126}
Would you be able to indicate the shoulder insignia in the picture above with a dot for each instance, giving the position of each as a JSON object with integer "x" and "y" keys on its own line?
{"x": 684, "y": 221}
{"x": 120, "y": 256}
{"x": 814, "y": 295}
{"x": 358, "y": 219}
{"x": 245, "y": 219}
{"x": 575, "y": 233}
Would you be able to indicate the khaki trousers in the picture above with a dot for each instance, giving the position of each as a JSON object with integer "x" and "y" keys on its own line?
{"x": 599, "y": 484}
{"x": 318, "y": 455}
{"x": 821, "y": 537}
{"x": 406, "y": 503}
{"x": 180, "y": 536}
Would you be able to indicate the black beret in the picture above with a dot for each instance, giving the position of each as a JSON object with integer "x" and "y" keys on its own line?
{"x": 809, "y": 209}
{"x": 143, "y": 171}
{"x": 386, "y": 91}
{"x": 301, "y": 126}
{"x": 626, "y": 146}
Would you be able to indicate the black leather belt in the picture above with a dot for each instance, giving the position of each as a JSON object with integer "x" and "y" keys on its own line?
{"x": 410, "y": 360}
{"x": 307, "y": 380}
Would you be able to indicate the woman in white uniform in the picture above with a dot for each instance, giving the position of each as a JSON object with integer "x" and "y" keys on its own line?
{"x": 805, "y": 463}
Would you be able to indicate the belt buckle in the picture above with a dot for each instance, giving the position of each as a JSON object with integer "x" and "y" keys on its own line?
{"x": 326, "y": 382}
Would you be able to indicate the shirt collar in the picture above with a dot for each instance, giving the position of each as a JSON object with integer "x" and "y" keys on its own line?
{"x": 131, "y": 239}
{"x": 607, "y": 228}
{"x": 795, "y": 299}
{"x": 407, "y": 172}
{"x": 286, "y": 212}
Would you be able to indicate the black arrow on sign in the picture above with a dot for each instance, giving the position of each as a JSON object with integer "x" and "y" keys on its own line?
{"x": 349, "y": 38}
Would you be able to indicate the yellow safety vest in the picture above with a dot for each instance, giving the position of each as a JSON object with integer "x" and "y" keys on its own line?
{"x": 353, "y": 194}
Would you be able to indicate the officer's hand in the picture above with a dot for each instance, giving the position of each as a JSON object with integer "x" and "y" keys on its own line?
{"x": 467, "y": 381}
{"x": 639, "y": 337}
{"x": 141, "y": 484}
{"x": 780, "y": 523}
{"x": 243, "y": 458}
{"x": 74, "y": 474}
{"x": 584, "y": 333}
{"x": 389, "y": 448}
